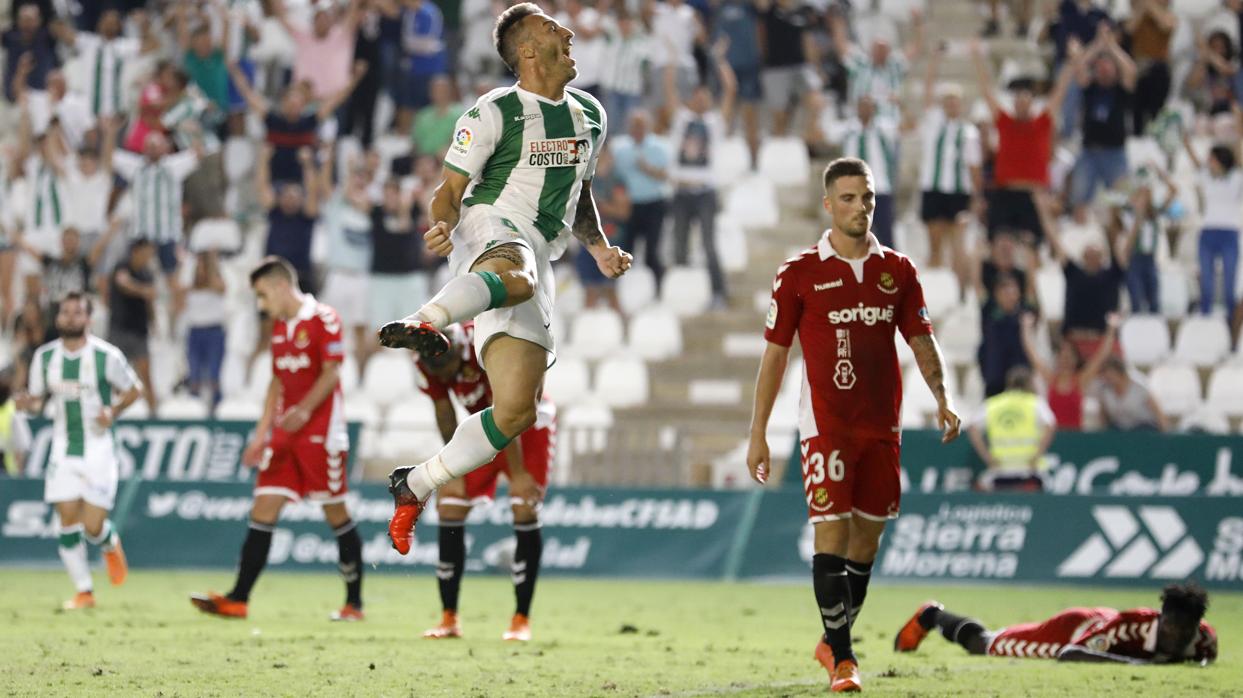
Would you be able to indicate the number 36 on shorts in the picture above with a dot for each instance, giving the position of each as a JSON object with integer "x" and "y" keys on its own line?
{"x": 843, "y": 477}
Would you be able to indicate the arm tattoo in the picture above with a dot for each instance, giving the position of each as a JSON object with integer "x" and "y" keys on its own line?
{"x": 587, "y": 220}
{"x": 931, "y": 363}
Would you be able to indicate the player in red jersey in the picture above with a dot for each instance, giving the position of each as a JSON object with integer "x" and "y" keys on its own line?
{"x": 300, "y": 444}
{"x": 525, "y": 463}
{"x": 844, "y": 297}
{"x": 1176, "y": 633}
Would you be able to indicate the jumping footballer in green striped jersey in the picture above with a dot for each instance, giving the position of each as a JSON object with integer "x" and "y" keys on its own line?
{"x": 88, "y": 383}
{"x": 517, "y": 184}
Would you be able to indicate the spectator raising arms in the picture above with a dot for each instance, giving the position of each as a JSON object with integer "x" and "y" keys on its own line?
{"x": 1107, "y": 75}
{"x": 1141, "y": 225}
{"x": 1069, "y": 377}
{"x": 1219, "y": 184}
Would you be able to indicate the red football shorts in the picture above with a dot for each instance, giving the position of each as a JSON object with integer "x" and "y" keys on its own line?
{"x": 537, "y": 452}
{"x": 843, "y": 476}
{"x": 1041, "y": 639}
{"x": 299, "y": 468}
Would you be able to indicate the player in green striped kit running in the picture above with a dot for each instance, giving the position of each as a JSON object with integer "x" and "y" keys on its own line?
{"x": 517, "y": 184}
{"x": 88, "y": 383}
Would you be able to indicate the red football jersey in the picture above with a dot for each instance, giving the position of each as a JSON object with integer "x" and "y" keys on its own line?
{"x": 845, "y": 313}
{"x": 470, "y": 385}
{"x": 1133, "y": 633}
{"x": 300, "y": 346}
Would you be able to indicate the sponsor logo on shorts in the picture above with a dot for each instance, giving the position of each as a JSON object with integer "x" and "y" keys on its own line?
{"x": 867, "y": 314}
{"x": 558, "y": 152}
{"x": 887, "y": 284}
{"x": 293, "y": 362}
{"x": 819, "y": 500}
{"x": 829, "y": 285}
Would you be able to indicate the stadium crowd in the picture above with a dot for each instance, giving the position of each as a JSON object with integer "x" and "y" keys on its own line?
{"x": 1079, "y": 192}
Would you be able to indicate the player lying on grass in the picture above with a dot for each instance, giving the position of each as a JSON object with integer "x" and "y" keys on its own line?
{"x": 89, "y": 383}
{"x": 525, "y": 463}
{"x": 1176, "y": 633}
{"x": 517, "y": 185}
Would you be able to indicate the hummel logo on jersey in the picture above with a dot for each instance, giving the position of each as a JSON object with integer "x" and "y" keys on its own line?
{"x": 867, "y": 314}
{"x": 1124, "y": 550}
{"x": 825, "y": 287}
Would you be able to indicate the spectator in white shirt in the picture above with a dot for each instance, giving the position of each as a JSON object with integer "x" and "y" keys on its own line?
{"x": 589, "y": 43}
{"x": 1220, "y": 187}
{"x": 675, "y": 30}
{"x": 697, "y": 133}
{"x": 205, "y": 316}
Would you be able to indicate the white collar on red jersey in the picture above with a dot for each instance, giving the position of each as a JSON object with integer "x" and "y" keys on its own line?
{"x": 307, "y": 310}
{"x": 826, "y": 250}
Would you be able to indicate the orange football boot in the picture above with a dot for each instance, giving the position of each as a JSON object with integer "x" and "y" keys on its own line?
{"x": 406, "y": 510}
{"x": 214, "y": 604}
{"x": 824, "y": 655}
{"x": 846, "y": 677}
{"x": 913, "y": 632}
{"x": 519, "y": 629}
{"x": 114, "y": 558}
{"x": 80, "y": 600}
{"x": 348, "y": 613}
{"x": 447, "y": 629}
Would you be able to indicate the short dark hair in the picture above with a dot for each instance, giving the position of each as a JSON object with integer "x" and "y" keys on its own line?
{"x": 273, "y": 265}
{"x": 505, "y": 33}
{"x": 1224, "y": 155}
{"x": 1019, "y": 378}
{"x": 845, "y": 167}
{"x": 1189, "y": 600}
{"x": 77, "y": 296}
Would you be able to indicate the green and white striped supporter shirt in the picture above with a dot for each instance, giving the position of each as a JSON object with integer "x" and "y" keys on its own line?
{"x": 103, "y": 61}
{"x": 528, "y": 156}
{"x": 951, "y": 147}
{"x": 78, "y": 385}
{"x": 882, "y": 82}
{"x": 155, "y": 192}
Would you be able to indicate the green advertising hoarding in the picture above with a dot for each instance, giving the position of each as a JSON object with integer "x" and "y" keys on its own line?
{"x": 1116, "y": 463}
{"x": 606, "y": 532}
{"x": 1033, "y": 538}
{"x": 694, "y": 534}
{"x": 180, "y": 450}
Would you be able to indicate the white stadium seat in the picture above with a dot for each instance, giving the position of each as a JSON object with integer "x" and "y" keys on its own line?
{"x": 239, "y": 160}
{"x": 568, "y": 381}
{"x": 1202, "y": 340}
{"x": 1051, "y": 292}
{"x": 686, "y": 291}
{"x": 941, "y": 291}
{"x": 636, "y": 289}
{"x": 409, "y": 445}
{"x": 596, "y": 333}
{"x": 347, "y": 373}
{"x": 1175, "y": 295}
{"x": 655, "y": 334}
{"x": 1145, "y": 339}
{"x": 389, "y": 377}
{"x": 239, "y": 409}
{"x": 359, "y": 409}
{"x": 622, "y": 382}
{"x": 1206, "y": 419}
{"x": 752, "y": 202}
{"x": 1176, "y": 387}
{"x": 1225, "y": 390}
{"x": 183, "y": 407}
{"x": 784, "y": 161}
{"x": 233, "y": 373}
{"x": 215, "y": 234}
{"x": 260, "y": 376}
{"x": 415, "y": 412}
{"x": 959, "y": 334}
{"x": 731, "y": 159}
{"x": 731, "y": 245}
{"x": 917, "y": 396}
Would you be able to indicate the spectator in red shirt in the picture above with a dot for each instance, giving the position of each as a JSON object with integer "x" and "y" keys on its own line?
{"x": 1024, "y": 150}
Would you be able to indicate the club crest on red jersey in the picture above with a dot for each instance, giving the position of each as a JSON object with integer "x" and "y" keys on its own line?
{"x": 887, "y": 284}
{"x": 301, "y": 338}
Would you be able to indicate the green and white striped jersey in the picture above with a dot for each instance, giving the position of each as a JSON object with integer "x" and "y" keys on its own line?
{"x": 155, "y": 192}
{"x": 951, "y": 147}
{"x": 78, "y": 385}
{"x": 104, "y": 64}
{"x": 528, "y": 156}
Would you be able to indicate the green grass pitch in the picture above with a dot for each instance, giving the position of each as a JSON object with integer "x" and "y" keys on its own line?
{"x": 592, "y": 638}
